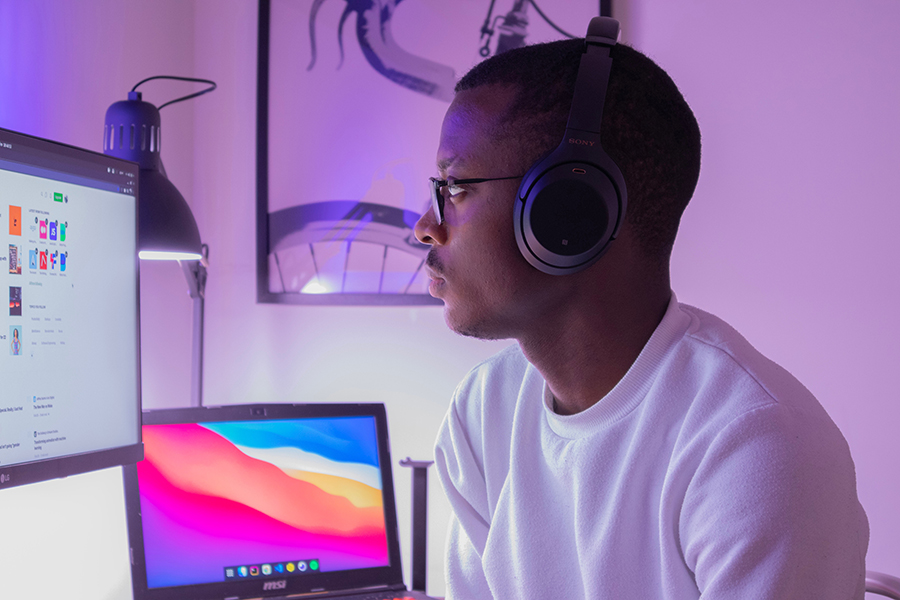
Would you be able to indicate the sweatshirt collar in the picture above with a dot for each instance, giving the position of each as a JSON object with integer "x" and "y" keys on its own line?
{"x": 631, "y": 389}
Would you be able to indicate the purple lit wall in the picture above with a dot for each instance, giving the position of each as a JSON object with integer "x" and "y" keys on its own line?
{"x": 61, "y": 65}
{"x": 789, "y": 236}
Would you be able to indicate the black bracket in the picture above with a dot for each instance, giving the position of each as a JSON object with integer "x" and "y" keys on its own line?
{"x": 419, "y": 520}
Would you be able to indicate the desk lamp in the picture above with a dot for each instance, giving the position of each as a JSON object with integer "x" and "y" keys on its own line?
{"x": 168, "y": 230}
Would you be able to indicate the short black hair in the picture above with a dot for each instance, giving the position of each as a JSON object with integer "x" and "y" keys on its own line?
{"x": 648, "y": 129}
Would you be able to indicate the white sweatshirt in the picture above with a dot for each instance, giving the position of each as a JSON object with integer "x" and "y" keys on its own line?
{"x": 707, "y": 472}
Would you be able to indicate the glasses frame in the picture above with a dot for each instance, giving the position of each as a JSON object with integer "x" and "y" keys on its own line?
{"x": 437, "y": 198}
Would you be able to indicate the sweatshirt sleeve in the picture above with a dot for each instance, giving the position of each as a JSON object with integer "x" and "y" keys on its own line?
{"x": 462, "y": 477}
{"x": 772, "y": 511}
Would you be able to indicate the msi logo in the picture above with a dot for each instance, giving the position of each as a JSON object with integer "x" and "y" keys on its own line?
{"x": 275, "y": 585}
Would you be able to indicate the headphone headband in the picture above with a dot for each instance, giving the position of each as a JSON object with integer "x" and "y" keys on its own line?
{"x": 590, "y": 89}
{"x": 602, "y": 30}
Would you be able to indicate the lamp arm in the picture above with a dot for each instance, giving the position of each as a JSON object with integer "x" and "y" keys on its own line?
{"x": 195, "y": 273}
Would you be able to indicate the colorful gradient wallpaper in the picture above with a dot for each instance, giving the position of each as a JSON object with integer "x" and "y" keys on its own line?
{"x": 239, "y": 493}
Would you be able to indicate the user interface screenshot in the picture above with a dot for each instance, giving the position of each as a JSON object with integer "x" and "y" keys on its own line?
{"x": 68, "y": 337}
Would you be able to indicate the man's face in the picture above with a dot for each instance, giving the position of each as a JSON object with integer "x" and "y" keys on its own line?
{"x": 488, "y": 289}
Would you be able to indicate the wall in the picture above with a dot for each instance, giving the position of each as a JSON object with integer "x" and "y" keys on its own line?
{"x": 790, "y": 236}
{"x": 787, "y": 238}
{"x": 61, "y": 65}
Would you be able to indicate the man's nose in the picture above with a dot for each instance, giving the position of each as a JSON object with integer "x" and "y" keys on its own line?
{"x": 428, "y": 231}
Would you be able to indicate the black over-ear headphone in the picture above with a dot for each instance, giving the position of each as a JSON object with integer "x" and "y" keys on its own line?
{"x": 571, "y": 203}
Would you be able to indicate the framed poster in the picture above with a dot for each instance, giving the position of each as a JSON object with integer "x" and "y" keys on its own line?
{"x": 351, "y": 95}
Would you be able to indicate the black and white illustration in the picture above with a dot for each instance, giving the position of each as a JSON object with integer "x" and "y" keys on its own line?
{"x": 351, "y": 97}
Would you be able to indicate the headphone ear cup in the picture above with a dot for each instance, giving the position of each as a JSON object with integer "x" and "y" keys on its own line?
{"x": 570, "y": 204}
{"x": 566, "y": 219}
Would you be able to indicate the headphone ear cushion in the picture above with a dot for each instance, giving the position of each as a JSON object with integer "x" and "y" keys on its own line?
{"x": 567, "y": 218}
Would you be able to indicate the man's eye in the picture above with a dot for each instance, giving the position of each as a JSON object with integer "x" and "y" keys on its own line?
{"x": 455, "y": 190}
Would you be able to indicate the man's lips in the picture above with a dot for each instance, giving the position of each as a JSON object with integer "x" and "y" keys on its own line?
{"x": 436, "y": 284}
{"x": 433, "y": 274}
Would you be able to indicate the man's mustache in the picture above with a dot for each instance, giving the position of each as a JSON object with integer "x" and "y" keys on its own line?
{"x": 433, "y": 262}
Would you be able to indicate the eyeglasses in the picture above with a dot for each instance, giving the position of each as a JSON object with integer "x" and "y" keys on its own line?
{"x": 438, "y": 185}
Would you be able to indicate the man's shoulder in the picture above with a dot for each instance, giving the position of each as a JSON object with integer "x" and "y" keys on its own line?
{"x": 728, "y": 390}
{"x": 718, "y": 350}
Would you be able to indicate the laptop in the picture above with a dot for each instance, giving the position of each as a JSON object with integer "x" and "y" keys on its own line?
{"x": 264, "y": 501}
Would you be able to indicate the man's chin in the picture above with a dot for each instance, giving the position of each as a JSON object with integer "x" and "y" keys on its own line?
{"x": 470, "y": 327}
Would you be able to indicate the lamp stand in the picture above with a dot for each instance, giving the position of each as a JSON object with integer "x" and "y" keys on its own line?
{"x": 195, "y": 274}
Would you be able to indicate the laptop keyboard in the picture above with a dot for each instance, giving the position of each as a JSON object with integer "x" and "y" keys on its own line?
{"x": 380, "y": 596}
{"x": 387, "y": 595}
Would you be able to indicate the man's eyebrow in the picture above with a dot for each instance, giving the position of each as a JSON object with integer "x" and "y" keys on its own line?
{"x": 446, "y": 163}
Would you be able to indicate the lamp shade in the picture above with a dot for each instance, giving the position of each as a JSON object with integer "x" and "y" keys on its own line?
{"x": 167, "y": 226}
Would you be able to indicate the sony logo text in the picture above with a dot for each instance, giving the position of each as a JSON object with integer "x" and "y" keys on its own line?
{"x": 579, "y": 142}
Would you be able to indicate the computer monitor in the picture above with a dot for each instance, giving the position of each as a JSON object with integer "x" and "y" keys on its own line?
{"x": 70, "y": 339}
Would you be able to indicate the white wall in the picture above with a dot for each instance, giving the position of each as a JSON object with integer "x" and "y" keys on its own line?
{"x": 404, "y": 357}
{"x": 61, "y": 65}
{"x": 789, "y": 236}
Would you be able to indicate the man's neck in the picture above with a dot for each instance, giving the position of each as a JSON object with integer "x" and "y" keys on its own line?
{"x": 586, "y": 349}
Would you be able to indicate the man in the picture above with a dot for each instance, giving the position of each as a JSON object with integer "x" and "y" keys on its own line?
{"x": 627, "y": 446}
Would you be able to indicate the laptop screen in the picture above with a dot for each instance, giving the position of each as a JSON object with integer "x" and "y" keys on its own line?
{"x": 250, "y": 499}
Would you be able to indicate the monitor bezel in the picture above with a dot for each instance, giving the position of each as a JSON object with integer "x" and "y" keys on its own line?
{"x": 46, "y": 469}
{"x": 312, "y": 584}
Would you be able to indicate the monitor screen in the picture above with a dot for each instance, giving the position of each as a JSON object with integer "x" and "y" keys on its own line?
{"x": 69, "y": 339}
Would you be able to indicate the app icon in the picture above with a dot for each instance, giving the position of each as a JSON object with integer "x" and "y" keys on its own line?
{"x": 42, "y": 260}
{"x": 62, "y": 261}
{"x": 32, "y": 259}
{"x": 53, "y": 230}
{"x": 279, "y": 568}
{"x": 254, "y": 571}
{"x": 57, "y": 197}
{"x": 229, "y": 573}
{"x": 314, "y": 565}
{"x": 42, "y": 229}
{"x": 301, "y": 565}
{"x": 290, "y": 567}
{"x": 62, "y": 232}
{"x": 267, "y": 569}
{"x": 53, "y": 256}
{"x": 242, "y": 571}
{"x": 15, "y": 220}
